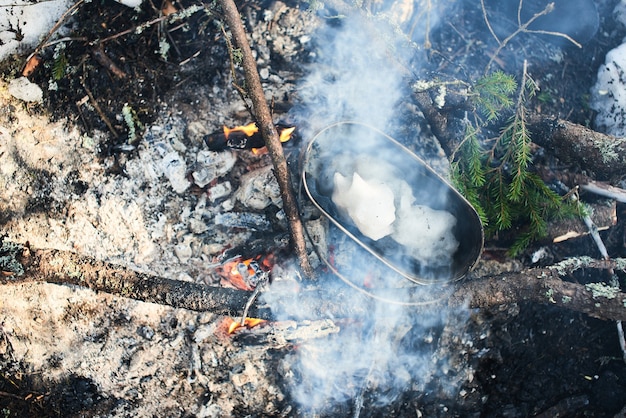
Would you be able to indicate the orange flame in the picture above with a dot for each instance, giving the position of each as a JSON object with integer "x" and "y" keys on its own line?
{"x": 249, "y": 129}
{"x": 247, "y": 323}
{"x": 285, "y": 134}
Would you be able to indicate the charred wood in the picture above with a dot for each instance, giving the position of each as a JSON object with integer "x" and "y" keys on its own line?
{"x": 602, "y": 155}
{"x": 540, "y": 285}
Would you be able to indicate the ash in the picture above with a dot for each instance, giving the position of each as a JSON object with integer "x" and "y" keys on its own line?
{"x": 166, "y": 206}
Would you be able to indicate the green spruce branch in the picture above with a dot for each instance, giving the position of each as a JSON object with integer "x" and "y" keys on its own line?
{"x": 497, "y": 176}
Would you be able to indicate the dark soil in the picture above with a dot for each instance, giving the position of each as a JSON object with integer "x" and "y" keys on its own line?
{"x": 529, "y": 360}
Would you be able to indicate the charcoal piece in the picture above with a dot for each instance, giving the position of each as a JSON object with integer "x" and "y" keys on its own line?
{"x": 244, "y": 220}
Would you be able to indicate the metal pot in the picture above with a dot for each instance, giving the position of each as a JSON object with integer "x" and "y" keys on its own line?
{"x": 343, "y": 149}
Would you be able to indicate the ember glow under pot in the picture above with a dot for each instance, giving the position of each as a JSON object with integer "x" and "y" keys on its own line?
{"x": 389, "y": 202}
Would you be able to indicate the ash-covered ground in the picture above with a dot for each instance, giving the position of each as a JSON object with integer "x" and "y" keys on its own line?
{"x": 112, "y": 164}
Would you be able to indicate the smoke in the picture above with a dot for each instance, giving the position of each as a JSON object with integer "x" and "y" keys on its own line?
{"x": 355, "y": 76}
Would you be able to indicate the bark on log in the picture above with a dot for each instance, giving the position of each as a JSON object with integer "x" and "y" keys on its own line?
{"x": 542, "y": 285}
{"x": 602, "y": 155}
{"x": 268, "y": 130}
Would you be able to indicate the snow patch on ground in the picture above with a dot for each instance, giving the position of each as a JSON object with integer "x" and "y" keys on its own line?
{"x": 24, "y": 24}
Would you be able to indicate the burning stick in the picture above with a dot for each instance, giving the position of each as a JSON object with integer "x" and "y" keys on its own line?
{"x": 244, "y": 137}
{"x": 246, "y": 322}
{"x": 247, "y": 275}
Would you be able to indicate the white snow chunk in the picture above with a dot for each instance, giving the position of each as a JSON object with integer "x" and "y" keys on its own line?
{"x": 21, "y": 88}
{"x": 368, "y": 203}
{"x": 608, "y": 95}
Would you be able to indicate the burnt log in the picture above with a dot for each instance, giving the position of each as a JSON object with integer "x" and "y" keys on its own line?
{"x": 602, "y": 155}
{"x": 541, "y": 285}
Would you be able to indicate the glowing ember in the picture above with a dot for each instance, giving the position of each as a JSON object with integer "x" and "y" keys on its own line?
{"x": 244, "y": 274}
{"x": 247, "y": 323}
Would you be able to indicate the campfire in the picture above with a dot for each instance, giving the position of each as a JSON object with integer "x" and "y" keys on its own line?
{"x": 190, "y": 292}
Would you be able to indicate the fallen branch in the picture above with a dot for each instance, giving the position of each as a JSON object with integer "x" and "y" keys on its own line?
{"x": 541, "y": 285}
{"x": 603, "y": 155}
{"x": 268, "y": 130}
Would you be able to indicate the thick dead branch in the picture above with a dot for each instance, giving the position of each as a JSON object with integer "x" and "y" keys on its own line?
{"x": 543, "y": 286}
{"x": 603, "y": 155}
{"x": 537, "y": 285}
{"x": 438, "y": 121}
{"x": 268, "y": 130}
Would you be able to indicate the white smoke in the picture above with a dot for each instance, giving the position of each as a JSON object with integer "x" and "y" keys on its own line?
{"x": 356, "y": 77}
{"x": 353, "y": 78}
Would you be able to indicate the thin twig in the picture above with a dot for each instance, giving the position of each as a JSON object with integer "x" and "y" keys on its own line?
{"x": 493, "y": 33}
{"x": 558, "y": 34}
{"x": 260, "y": 285}
{"x": 269, "y": 133}
{"x": 593, "y": 230}
{"x": 605, "y": 190}
{"x": 523, "y": 28}
{"x": 96, "y": 106}
{"x": 242, "y": 92}
{"x": 622, "y": 340}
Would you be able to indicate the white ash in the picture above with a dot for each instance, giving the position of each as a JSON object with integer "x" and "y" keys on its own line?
{"x": 317, "y": 230}
{"x": 259, "y": 189}
{"x": 247, "y": 220}
{"x": 220, "y": 190}
{"x": 175, "y": 169}
{"x": 197, "y": 226}
{"x": 211, "y": 165}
